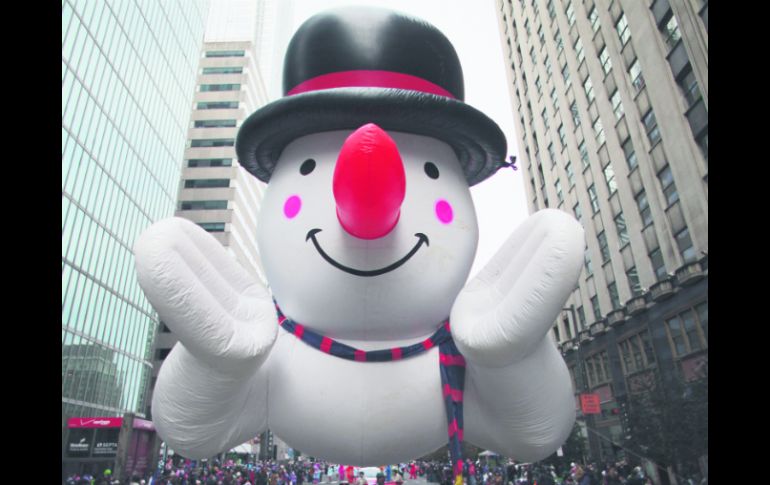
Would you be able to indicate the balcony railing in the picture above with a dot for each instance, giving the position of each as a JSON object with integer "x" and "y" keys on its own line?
{"x": 689, "y": 274}
{"x": 616, "y": 317}
{"x": 662, "y": 290}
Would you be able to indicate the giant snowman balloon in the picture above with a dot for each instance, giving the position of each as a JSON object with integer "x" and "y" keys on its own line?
{"x": 368, "y": 347}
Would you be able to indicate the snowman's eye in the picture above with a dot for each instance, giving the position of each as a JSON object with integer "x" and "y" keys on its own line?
{"x": 307, "y": 166}
{"x": 431, "y": 170}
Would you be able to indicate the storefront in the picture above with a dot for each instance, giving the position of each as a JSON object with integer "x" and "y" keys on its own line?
{"x": 125, "y": 446}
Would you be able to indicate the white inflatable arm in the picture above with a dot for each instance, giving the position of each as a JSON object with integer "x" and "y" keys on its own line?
{"x": 504, "y": 312}
{"x": 226, "y": 323}
{"x": 519, "y": 398}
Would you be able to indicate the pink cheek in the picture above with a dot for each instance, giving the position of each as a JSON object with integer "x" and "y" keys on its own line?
{"x": 444, "y": 211}
{"x": 292, "y": 206}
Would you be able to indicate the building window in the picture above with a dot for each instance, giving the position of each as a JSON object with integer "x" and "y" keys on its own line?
{"x": 579, "y": 50}
{"x": 565, "y": 75}
{"x": 219, "y": 87}
{"x": 593, "y": 17}
{"x": 214, "y": 123}
{"x": 559, "y": 41}
{"x": 620, "y": 225}
{"x": 609, "y": 177}
{"x": 581, "y": 316}
{"x": 562, "y": 136}
{"x": 583, "y": 154}
{"x": 558, "y": 191}
{"x": 635, "y": 72}
{"x": 594, "y": 198}
{"x": 636, "y": 353}
{"x": 644, "y": 208}
{"x": 684, "y": 242}
{"x": 541, "y": 36}
{"x": 210, "y": 162}
{"x": 218, "y": 105}
{"x": 628, "y": 151}
{"x": 688, "y": 85}
{"x": 203, "y": 205}
{"x": 603, "y": 246}
{"x": 599, "y": 132}
{"x": 555, "y": 100}
{"x": 604, "y": 58}
{"x": 570, "y": 14}
{"x": 578, "y": 212}
{"x": 222, "y": 70}
{"x": 667, "y": 183}
{"x": 622, "y": 28}
{"x": 597, "y": 369}
{"x": 703, "y": 143}
{"x": 545, "y": 120}
{"x": 597, "y": 310}
{"x": 212, "y": 226}
{"x": 587, "y": 263}
{"x": 206, "y": 183}
{"x": 633, "y": 281}
{"x": 225, "y": 142}
{"x": 651, "y": 126}
{"x": 588, "y": 86}
{"x": 570, "y": 174}
{"x": 687, "y": 332}
{"x": 526, "y": 28}
{"x": 656, "y": 258}
{"x": 612, "y": 288}
{"x": 548, "y": 68}
{"x": 225, "y": 53}
{"x": 617, "y": 105}
{"x": 575, "y": 113}
{"x": 551, "y": 10}
{"x": 533, "y": 56}
{"x": 551, "y": 154}
{"x": 670, "y": 31}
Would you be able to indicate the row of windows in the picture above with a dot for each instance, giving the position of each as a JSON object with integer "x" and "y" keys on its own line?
{"x": 217, "y": 105}
{"x": 213, "y": 142}
{"x": 206, "y": 183}
{"x": 231, "y": 53}
{"x": 214, "y": 123}
{"x": 203, "y": 205}
{"x": 219, "y": 87}
{"x": 687, "y": 333}
{"x": 210, "y": 162}
{"x": 223, "y": 70}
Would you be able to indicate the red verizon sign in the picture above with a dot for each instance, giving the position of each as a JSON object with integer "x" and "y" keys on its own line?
{"x": 94, "y": 422}
{"x": 590, "y": 404}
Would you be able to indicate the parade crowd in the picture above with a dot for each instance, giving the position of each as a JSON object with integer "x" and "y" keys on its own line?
{"x": 478, "y": 472}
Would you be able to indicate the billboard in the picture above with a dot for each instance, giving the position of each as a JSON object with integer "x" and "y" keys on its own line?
{"x": 590, "y": 404}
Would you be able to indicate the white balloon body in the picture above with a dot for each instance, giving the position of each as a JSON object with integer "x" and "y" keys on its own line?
{"x": 518, "y": 399}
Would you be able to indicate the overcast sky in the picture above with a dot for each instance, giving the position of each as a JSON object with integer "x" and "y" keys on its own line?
{"x": 471, "y": 26}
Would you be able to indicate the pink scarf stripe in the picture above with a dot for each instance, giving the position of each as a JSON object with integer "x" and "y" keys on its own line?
{"x": 457, "y": 395}
{"x": 369, "y": 79}
{"x": 447, "y": 359}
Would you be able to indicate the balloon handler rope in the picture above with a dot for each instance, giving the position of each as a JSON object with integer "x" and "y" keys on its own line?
{"x": 451, "y": 366}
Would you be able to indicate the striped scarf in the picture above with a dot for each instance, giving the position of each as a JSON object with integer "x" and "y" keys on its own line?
{"x": 451, "y": 366}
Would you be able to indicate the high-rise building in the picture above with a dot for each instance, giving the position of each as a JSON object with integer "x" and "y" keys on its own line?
{"x": 128, "y": 78}
{"x": 216, "y": 192}
{"x": 610, "y": 102}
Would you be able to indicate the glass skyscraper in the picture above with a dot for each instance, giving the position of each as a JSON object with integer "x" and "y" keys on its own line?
{"x": 128, "y": 79}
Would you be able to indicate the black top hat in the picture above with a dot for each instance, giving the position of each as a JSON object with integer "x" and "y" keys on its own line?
{"x": 357, "y": 65}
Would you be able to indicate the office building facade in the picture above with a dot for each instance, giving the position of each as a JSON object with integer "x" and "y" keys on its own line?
{"x": 215, "y": 192}
{"x": 128, "y": 77}
{"x": 610, "y": 102}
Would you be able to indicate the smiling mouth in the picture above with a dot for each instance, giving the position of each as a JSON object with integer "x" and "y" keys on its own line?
{"x": 421, "y": 238}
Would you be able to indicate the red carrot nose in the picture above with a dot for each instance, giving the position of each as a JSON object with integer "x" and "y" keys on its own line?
{"x": 369, "y": 183}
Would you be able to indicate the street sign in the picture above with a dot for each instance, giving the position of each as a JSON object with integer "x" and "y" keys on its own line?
{"x": 590, "y": 404}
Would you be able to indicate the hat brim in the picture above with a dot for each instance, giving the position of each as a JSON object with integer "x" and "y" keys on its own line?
{"x": 477, "y": 140}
